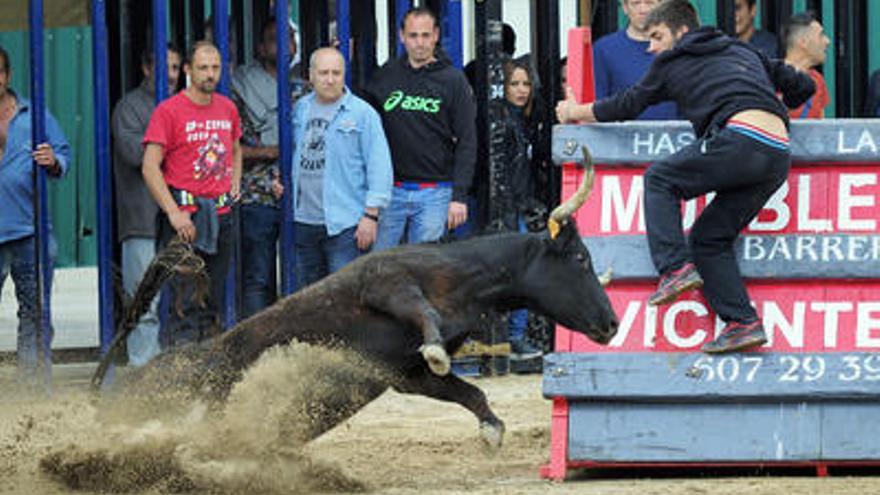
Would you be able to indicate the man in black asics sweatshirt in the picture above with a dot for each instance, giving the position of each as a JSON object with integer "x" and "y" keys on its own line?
{"x": 727, "y": 89}
{"x": 428, "y": 112}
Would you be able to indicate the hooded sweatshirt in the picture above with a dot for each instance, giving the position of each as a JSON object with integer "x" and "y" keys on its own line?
{"x": 711, "y": 77}
{"x": 429, "y": 119}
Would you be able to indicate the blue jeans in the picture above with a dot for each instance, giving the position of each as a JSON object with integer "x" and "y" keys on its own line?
{"x": 18, "y": 258}
{"x": 143, "y": 341}
{"x": 413, "y": 216}
{"x": 319, "y": 254}
{"x": 260, "y": 225}
{"x": 518, "y": 319}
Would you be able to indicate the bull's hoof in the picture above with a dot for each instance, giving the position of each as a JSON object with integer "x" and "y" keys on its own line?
{"x": 437, "y": 358}
{"x": 492, "y": 433}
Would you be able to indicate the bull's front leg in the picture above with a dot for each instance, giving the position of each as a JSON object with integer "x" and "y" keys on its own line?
{"x": 451, "y": 388}
{"x": 404, "y": 300}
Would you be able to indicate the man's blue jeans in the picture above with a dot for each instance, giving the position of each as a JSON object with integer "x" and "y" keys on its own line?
{"x": 18, "y": 258}
{"x": 319, "y": 254}
{"x": 414, "y": 216}
{"x": 260, "y": 225}
{"x": 143, "y": 341}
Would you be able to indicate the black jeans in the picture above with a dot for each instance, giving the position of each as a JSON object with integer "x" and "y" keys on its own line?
{"x": 744, "y": 173}
{"x": 197, "y": 321}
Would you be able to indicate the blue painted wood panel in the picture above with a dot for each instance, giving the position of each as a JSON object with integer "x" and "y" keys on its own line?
{"x": 638, "y": 142}
{"x": 693, "y": 377}
{"x": 829, "y": 256}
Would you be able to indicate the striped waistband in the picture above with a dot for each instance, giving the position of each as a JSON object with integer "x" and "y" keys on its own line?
{"x": 758, "y": 134}
{"x": 187, "y": 201}
{"x": 415, "y": 186}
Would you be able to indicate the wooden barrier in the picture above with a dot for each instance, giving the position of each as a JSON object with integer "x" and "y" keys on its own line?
{"x": 812, "y": 264}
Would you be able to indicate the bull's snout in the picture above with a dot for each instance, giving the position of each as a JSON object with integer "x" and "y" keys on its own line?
{"x": 604, "y": 333}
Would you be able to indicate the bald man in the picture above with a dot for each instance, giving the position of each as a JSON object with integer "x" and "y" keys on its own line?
{"x": 342, "y": 173}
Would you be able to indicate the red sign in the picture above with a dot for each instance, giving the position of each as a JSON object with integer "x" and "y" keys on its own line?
{"x": 815, "y": 200}
{"x": 833, "y": 316}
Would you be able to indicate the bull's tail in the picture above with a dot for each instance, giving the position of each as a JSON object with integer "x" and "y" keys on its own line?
{"x": 177, "y": 257}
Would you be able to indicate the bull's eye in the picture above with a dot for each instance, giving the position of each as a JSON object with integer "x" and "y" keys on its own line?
{"x": 581, "y": 257}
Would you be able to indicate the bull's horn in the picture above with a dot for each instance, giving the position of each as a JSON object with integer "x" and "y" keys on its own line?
{"x": 564, "y": 211}
{"x": 605, "y": 278}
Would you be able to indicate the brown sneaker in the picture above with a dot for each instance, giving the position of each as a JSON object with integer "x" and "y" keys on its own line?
{"x": 674, "y": 283}
{"x": 737, "y": 336}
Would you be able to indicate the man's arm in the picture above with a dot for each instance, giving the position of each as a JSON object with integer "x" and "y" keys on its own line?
{"x": 54, "y": 155}
{"x": 235, "y": 187}
{"x": 180, "y": 220}
{"x": 796, "y": 86}
{"x": 380, "y": 177}
{"x": 128, "y": 132}
{"x": 569, "y": 110}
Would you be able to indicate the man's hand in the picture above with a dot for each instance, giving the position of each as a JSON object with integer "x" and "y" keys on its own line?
{"x": 457, "y": 214}
{"x": 45, "y": 157}
{"x": 182, "y": 223}
{"x": 365, "y": 235}
{"x": 569, "y": 110}
{"x": 277, "y": 188}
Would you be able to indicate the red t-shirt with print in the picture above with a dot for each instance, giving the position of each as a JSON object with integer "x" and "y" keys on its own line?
{"x": 197, "y": 141}
{"x": 813, "y": 108}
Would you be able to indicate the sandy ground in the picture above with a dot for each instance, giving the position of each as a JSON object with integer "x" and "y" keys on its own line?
{"x": 397, "y": 445}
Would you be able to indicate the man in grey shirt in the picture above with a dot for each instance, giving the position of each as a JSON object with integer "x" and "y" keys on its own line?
{"x": 135, "y": 208}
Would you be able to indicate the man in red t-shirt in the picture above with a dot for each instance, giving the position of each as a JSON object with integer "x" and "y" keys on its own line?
{"x": 805, "y": 47}
{"x": 192, "y": 167}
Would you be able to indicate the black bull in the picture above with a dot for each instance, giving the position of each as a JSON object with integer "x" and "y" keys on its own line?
{"x": 381, "y": 304}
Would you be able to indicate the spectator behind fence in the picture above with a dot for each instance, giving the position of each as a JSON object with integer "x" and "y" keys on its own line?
{"x": 805, "y": 47}
{"x": 428, "y": 113}
{"x": 872, "y": 96}
{"x": 255, "y": 92}
{"x": 342, "y": 172}
{"x": 17, "y": 239}
{"x": 516, "y": 193}
{"x": 135, "y": 209}
{"x": 192, "y": 167}
{"x": 745, "y": 12}
{"x": 741, "y": 153}
{"x": 620, "y": 59}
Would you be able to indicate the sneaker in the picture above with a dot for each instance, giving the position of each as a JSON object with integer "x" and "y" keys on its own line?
{"x": 523, "y": 349}
{"x": 737, "y": 336}
{"x": 674, "y": 283}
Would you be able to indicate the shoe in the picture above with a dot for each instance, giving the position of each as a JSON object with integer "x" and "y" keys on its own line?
{"x": 522, "y": 349}
{"x": 674, "y": 283}
{"x": 737, "y": 336}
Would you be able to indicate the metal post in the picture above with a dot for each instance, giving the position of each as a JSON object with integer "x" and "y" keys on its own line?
{"x": 399, "y": 10}
{"x": 285, "y": 149}
{"x": 103, "y": 174}
{"x": 343, "y": 34}
{"x": 41, "y": 211}
{"x": 545, "y": 46}
{"x": 725, "y": 11}
{"x": 221, "y": 40}
{"x": 160, "y": 49}
{"x": 452, "y": 31}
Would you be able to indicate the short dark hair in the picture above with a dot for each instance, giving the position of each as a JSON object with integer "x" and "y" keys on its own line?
{"x": 508, "y": 39}
{"x": 5, "y": 56}
{"x": 196, "y": 47}
{"x": 147, "y": 54}
{"x": 675, "y": 14}
{"x": 417, "y": 11}
{"x": 796, "y": 25}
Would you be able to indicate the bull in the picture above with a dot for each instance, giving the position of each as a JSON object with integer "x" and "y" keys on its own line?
{"x": 406, "y": 310}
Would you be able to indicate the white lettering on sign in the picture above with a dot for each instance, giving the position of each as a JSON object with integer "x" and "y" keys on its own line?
{"x": 846, "y": 201}
{"x": 784, "y": 323}
{"x": 865, "y": 143}
{"x": 831, "y": 311}
{"x": 824, "y": 249}
{"x": 855, "y": 199}
{"x": 624, "y": 207}
{"x": 659, "y": 144}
